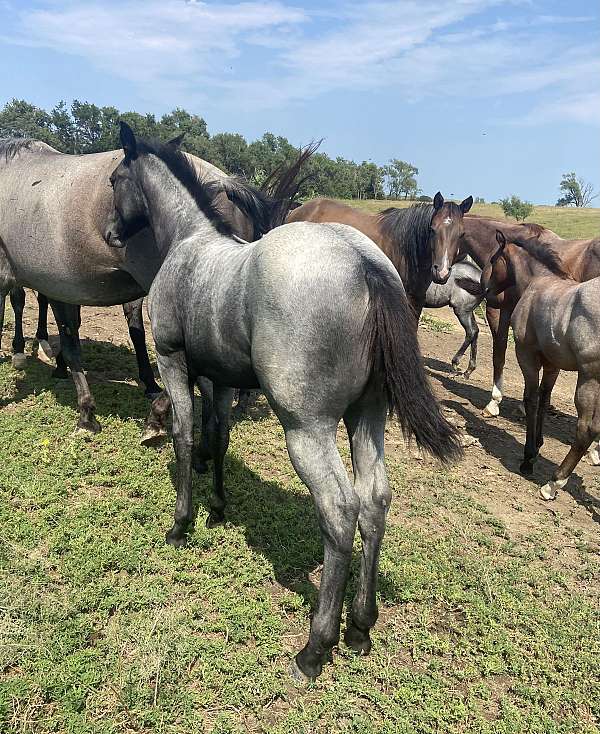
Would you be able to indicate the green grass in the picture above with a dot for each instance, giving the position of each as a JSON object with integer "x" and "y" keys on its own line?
{"x": 570, "y": 223}
{"x": 105, "y": 629}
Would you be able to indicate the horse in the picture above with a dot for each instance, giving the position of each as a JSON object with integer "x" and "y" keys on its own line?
{"x": 421, "y": 241}
{"x": 462, "y": 292}
{"x": 556, "y": 323}
{"x": 581, "y": 257}
{"x": 316, "y": 316}
{"x": 54, "y": 241}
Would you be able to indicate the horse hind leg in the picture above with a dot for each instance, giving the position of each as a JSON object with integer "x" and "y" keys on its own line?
{"x": 17, "y": 300}
{"x": 469, "y": 324}
{"x": 43, "y": 351}
{"x": 530, "y": 367}
{"x": 587, "y": 402}
{"x": 315, "y": 458}
{"x": 499, "y": 322}
{"x": 68, "y": 320}
{"x": 547, "y": 385}
{"x": 218, "y": 436}
{"x": 365, "y": 422}
{"x": 137, "y": 333}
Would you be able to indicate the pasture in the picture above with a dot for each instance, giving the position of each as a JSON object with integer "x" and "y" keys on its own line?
{"x": 488, "y": 597}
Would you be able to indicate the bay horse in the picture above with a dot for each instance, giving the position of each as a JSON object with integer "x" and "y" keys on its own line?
{"x": 580, "y": 257}
{"x": 421, "y": 241}
{"x": 229, "y": 311}
{"x": 463, "y": 293}
{"x": 556, "y": 323}
{"x": 55, "y": 212}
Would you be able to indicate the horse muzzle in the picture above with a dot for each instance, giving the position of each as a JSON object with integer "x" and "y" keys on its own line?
{"x": 440, "y": 275}
{"x": 113, "y": 239}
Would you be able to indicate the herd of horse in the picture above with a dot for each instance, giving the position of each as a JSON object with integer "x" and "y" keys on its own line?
{"x": 317, "y": 306}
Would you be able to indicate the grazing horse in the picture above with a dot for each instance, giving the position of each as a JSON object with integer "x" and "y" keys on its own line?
{"x": 462, "y": 292}
{"x": 421, "y": 241}
{"x": 556, "y": 323}
{"x": 316, "y": 316}
{"x": 580, "y": 257}
{"x": 55, "y": 242}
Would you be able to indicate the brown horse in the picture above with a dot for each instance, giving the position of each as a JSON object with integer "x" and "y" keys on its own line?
{"x": 421, "y": 241}
{"x": 580, "y": 257}
{"x": 555, "y": 322}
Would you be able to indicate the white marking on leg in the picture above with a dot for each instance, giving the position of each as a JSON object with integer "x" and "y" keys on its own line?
{"x": 550, "y": 489}
{"x": 594, "y": 454}
{"x": 45, "y": 353}
{"x": 19, "y": 360}
{"x": 493, "y": 407}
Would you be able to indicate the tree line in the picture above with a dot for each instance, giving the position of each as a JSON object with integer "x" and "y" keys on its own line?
{"x": 83, "y": 127}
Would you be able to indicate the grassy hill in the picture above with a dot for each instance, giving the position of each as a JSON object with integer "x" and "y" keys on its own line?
{"x": 568, "y": 223}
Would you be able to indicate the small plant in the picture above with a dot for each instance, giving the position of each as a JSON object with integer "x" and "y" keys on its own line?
{"x": 512, "y": 206}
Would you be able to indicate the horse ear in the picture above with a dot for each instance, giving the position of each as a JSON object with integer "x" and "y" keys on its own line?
{"x": 438, "y": 201}
{"x": 176, "y": 141}
{"x": 500, "y": 239}
{"x": 128, "y": 141}
{"x": 466, "y": 204}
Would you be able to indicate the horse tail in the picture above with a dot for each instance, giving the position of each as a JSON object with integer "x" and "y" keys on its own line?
{"x": 396, "y": 364}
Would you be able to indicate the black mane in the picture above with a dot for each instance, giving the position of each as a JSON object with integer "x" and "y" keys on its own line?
{"x": 11, "y": 147}
{"x": 409, "y": 229}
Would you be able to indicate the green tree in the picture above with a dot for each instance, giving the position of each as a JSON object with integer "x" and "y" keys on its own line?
{"x": 575, "y": 191}
{"x": 19, "y": 119}
{"x": 401, "y": 179}
{"x": 512, "y": 206}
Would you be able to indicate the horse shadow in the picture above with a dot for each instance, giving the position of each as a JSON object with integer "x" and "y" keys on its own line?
{"x": 281, "y": 525}
{"x": 558, "y": 425}
{"x": 509, "y": 450}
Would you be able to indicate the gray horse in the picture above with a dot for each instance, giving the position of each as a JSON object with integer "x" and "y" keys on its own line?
{"x": 55, "y": 212}
{"x": 462, "y": 292}
{"x": 317, "y": 317}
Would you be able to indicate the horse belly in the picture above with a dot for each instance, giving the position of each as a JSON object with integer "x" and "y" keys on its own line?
{"x": 228, "y": 369}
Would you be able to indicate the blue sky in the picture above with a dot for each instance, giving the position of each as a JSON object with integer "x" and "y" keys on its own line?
{"x": 489, "y": 98}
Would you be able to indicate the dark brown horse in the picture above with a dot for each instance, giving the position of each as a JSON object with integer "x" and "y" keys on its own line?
{"x": 555, "y": 323}
{"x": 580, "y": 257}
{"x": 421, "y": 241}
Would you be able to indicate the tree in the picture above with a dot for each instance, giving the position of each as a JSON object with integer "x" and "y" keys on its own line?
{"x": 401, "y": 179}
{"x": 576, "y": 191}
{"x": 514, "y": 207}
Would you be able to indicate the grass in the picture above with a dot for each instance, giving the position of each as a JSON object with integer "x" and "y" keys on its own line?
{"x": 104, "y": 629}
{"x": 570, "y": 223}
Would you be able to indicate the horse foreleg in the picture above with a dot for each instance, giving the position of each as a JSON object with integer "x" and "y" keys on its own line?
{"x": 469, "y": 324}
{"x": 137, "y": 333}
{"x": 17, "y": 301}
{"x": 68, "y": 320}
{"x": 44, "y": 350}
{"x": 587, "y": 402}
{"x": 180, "y": 388}
{"x": 202, "y": 452}
{"x": 499, "y": 322}
{"x": 365, "y": 423}
{"x": 548, "y": 381}
{"x": 530, "y": 367}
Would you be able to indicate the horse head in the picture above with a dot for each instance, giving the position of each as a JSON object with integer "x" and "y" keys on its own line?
{"x": 446, "y": 230}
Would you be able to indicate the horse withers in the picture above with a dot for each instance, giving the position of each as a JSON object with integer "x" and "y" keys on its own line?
{"x": 228, "y": 311}
{"x": 556, "y": 323}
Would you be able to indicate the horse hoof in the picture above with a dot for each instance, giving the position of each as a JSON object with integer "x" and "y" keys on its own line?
{"x": 44, "y": 352}
{"x": 594, "y": 457}
{"x": 176, "y": 538}
{"x": 297, "y": 674}
{"x": 492, "y": 408}
{"x": 526, "y": 468}
{"x": 214, "y": 519}
{"x": 357, "y": 640}
{"x": 455, "y": 367}
{"x": 200, "y": 466}
{"x": 19, "y": 360}
{"x": 550, "y": 489}
{"x": 153, "y": 436}
{"x": 87, "y": 427}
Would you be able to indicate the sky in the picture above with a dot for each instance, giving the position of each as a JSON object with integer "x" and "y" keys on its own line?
{"x": 485, "y": 97}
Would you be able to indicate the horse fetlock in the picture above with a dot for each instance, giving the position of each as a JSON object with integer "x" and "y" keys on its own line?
{"x": 550, "y": 489}
{"x": 153, "y": 434}
{"x": 492, "y": 408}
{"x": 215, "y": 517}
{"x": 19, "y": 360}
{"x": 89, "y": 424}
{"x": 44, "y": 352}
{"x": 357, "y": 639}
{"x": 526, "y": 467}
{"x": 177, "y": 536}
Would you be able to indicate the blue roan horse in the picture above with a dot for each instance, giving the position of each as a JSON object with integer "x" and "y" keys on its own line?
{"x": 313, "y": 314}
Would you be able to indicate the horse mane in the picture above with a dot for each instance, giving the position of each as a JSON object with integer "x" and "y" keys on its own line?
{"x": 11, "y": 147}
{"x": 408, "y": 230}
{"x": 263, "y": 210}
{"x": 546, "y": 256}
{"x": 535, "y": 229}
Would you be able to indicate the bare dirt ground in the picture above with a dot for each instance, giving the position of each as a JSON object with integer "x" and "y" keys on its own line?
{"x": 492, "y": 462}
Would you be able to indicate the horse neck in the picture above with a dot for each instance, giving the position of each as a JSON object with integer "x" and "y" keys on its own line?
{"x": 174, "y": 214}
{"x": 525, "y": 268}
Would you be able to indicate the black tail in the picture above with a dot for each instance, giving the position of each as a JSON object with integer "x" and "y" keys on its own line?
{"x": 269, "y": 206}
{"x": 472, "y": 287}
{"x": 393, "y": 348}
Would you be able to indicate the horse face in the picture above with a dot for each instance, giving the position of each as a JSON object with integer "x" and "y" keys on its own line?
{"x": 446, "y": 230}
{"x": 129, "y": 213}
